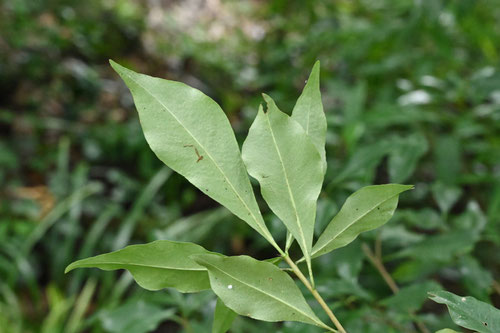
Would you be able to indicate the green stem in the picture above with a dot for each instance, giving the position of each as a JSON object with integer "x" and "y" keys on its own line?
{"x": 316, "y": 295}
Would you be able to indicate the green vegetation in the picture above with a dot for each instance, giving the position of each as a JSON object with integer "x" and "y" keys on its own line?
{"x": 411, "y": 95}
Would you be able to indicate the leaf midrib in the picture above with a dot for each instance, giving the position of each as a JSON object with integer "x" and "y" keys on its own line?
{"x": 287, "y": 184}
{"x": 265, "y": 293}
{"x": 138, "y": 265}
{"x": 206, "y": 151}
{"x": 356, "y": 220}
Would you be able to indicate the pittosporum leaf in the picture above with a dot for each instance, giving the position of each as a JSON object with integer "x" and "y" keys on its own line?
{"x": 280, "y": 155}
{"x": 308, "y": 112}
{"x": 468, "y": 312}
{"x": 257, "y": 289}
{"x": 190, "y": 133}
{"x": 366, "y": 209}
{"x": 157, "y": 265}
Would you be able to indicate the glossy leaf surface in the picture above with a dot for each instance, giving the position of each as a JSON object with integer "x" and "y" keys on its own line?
{"x": 279, "y": 154}
{"x": 257, "y": 289}
{"x": 366, "y": 209}
{"x": 308, "y": 112}
{"x": 468, "y": 312}
{"x": 190, "y": 133}
{"x": 157, "y": 265}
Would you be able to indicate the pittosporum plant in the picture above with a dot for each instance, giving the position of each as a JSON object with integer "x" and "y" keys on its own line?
{"x": 190, "y": 133}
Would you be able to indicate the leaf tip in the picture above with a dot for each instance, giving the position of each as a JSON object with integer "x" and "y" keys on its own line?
{"x": 116, "y": 66}
{"x": 269, "y": 102}
{"x": 69, "y": 268}
{"x": 266, "y": 97}
{"x": 316, "y": 65}
{"x": 121, "y": 70}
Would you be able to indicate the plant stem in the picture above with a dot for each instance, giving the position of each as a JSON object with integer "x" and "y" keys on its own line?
{"x": 376, "y": 260}
{"x": 315, "y": 293}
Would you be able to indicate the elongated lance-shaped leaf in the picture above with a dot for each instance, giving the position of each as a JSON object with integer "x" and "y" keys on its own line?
{"x": 257, "y": 289}
{"x": 308, "y": 112}
{"x": 280, "y": 155}
{"x": 469, "y": 312}
{"x": 223, "y": 317}
{"x": 157, "y": 265}
{"x": 190, "y": 133}
{"x": 366, "y": 209}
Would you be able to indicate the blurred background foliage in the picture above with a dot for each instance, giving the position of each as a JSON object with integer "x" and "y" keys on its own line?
{"x": 412, "y": 95}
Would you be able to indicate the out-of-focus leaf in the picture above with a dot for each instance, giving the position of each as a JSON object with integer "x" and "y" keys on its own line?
{"x": 157, "y": 265}
{"x": 136, "y": 316}
{"x": 363, "y": 162}
{"x": 190, "y": 133}
{"x": 223, "y": 317}
{"x": 447, "y": 330}
{"x": 404, "y": 157}
{"x": 366, "y": 209}
{"x": 336, "y": 288}
{"x": 257, "y": 289}
{"x": 477, "y": 279}
{"x": 445, "y": 195}
{"x": 416, "y": 269}
{"x": 308, "y": 112}
{"x": 411, "y": 298}
{"x": 472, "y": 220}
{"x": 442, "y": 247}
{"x": 280, "y": 155}
{"x": 399, "y": 235}
{"x": 468, "y": 312}
{"x": 447, "y": 156}
{"x": 347, "y": 262}
{"x": 425, "y": 218}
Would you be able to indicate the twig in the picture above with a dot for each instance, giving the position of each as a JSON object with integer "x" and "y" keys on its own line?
{"x": 380, "y": 267}
{"x": 315, "y": 293}
{"x": 376, "y": 260}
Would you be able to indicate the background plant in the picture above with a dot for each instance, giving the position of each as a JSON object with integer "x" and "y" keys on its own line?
{"x": 416, "y": 77}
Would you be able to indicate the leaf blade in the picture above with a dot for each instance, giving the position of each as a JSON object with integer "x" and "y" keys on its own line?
{"x": 309, "y": 113}
{"x": 223, "y": 317}
{"x": 257, "y": 289}
{"x": 366, "y": 209}
{"x": 190, "y": 133}
{"x": 279, "y": 154}
{"x": 468, "y": 312}
{"x": 154, "y": 266}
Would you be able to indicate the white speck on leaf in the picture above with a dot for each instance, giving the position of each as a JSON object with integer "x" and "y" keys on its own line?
{"x": 463, "y": 299}
{"x": 230, "y": 286}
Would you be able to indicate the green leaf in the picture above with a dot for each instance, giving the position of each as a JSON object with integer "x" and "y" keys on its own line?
{"x": 257, "y": 289}
{"x": 279, "y": 154}
{"x": 470, "y": 313}
{"x": 134, "y": 317}
{"x": 190, "y": 133}
{"x": 308, "y": 112}
{"x": 157, "y": 265}
{"x": 412, "y": 297}
{"x": 440, "y": 248}
{"x": 366, "y": 209}
{"x": 447, "y": 330}
{"x": 404, "y": 156}
{"x": 445, "y": 195}
{"x": 223, "y": 317}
